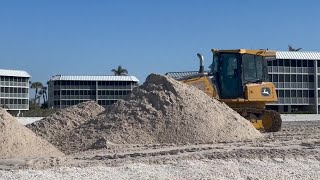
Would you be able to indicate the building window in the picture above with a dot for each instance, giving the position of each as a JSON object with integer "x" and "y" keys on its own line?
{"x": 56, "y": 93}
{"x": 305, "y": 63}
{"x": 305, "y": 78}
{"x": 287, "y": 93}
{"x": 280, "y": 62}
{"x": 293, "y": 63}
{"x": 275, "y": 63}
{"x": 311, "y": 93}
{"x": 270, "y": 63}
{"x": 310, "y": 63}
{"x": 287, "y": 62}
{"x": 281, "y": 93}
{"x": 299, "y": 78}
{"x": 281, "y": 78}
{"x": 56, "y": 103}
{"x": 311, "y": 78}
{"x": 287, "y": 77}
{"x": 275, "y": 78}
{"x": 299, "y": 63}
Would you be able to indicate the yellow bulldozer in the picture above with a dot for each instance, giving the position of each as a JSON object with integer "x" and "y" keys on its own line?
{"x": 238, "y": 78}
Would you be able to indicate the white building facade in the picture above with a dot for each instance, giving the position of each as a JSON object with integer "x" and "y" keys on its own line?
{"x": 296, "y": 76}
{"x": 66, "y": 91}
{"x": 14, "y": 90}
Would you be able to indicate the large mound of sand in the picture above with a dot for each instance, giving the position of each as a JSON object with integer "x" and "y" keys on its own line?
{"x": 163, "y": 110}
{"x": 56, "y": 127}
{"x": 18, "y": 141}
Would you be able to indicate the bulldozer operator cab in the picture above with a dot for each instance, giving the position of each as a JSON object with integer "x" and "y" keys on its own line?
{"x": 233, "y": 69}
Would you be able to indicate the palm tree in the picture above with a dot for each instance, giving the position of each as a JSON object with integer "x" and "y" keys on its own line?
{"x": 43, "y": 92}
{"x": 119, "y": 71}
{"x": 40, "y": 94}
{"x": 36, "y": 86}
{"x": 290, "y": 48}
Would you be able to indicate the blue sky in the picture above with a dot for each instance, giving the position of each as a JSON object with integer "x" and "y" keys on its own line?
{"x": 82, "y": 37}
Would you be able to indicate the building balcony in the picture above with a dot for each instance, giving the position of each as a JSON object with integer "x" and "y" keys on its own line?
{"x": 18, "y": 106}
{"x": 14, "y": 84}
{"x": 76, "y": 87}
{"x": 80, "y": 97}
{"x": 283, "y": 69}
{"x": 106, "y": 97}
{"x": 14, "y": 95}
{"x": 126, "y": 87}
{"x": 295, "y": 100}
{"x": 294, "y": 85}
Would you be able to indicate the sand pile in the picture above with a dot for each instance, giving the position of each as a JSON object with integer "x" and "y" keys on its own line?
{"x": 18, "y": 141}
{"x": 57, "y": 126}
{"x": 163, "y": 110}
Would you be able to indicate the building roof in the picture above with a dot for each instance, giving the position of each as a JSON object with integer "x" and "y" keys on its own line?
{"x": 298, "y": 55}
{"x": 176, "y": 75}
{"x": 14, "y": 73}
{"x": 93, "y": 78}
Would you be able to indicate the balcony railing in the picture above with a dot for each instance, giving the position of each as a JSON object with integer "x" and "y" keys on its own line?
{"x": 294, "y": 100}
{"x": 17, "y": 106}
{"x": 283, "y": 69}
{"x": 127, "y": 87}
{"x": 58, "y": 87}
{"x": 17, "y": 84}
{"x": 13, "y": 95}
{"x": 77, "y": 87}
{"x": 111, "y": 96}
{"x": 81, "y": 97}
{"x": 296, "y": 85}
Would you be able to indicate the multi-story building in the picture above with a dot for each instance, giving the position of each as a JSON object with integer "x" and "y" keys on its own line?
{"x": 14, "y": 90}
{"x": 296, "y": 77}
{"x": 65, "y": 91}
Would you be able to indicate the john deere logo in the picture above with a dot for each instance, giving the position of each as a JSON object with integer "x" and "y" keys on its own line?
{"x": 265, "y": 91}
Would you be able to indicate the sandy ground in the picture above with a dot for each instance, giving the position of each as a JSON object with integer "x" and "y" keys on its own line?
{"x": 293, "y": 153}
{"x": 185, "y": 169}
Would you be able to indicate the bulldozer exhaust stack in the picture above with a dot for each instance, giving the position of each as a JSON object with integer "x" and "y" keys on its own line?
{"x": 201, "y": 70}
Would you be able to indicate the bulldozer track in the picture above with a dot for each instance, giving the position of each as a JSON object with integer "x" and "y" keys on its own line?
{"x": 276, "y": 118}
